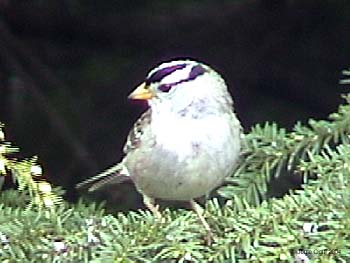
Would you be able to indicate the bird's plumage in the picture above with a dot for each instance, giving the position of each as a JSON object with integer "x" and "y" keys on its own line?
{"x": 185, "y": 144}
{"x": 188, "y": 141}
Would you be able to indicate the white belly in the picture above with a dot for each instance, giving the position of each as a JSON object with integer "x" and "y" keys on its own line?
{"x": 190, "y": 158}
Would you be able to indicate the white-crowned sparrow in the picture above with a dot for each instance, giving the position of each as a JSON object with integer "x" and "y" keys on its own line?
{"x": 186, "y": 143}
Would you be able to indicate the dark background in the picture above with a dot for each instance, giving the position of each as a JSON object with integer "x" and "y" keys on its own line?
{"x": 66, "y": 68}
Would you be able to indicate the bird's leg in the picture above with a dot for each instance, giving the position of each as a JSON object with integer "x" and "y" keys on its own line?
{"x": 199, "y": 211}
{"x": 151, "y": 205}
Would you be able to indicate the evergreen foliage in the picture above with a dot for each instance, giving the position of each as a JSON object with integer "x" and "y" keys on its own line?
{"x": 311, "y": 223}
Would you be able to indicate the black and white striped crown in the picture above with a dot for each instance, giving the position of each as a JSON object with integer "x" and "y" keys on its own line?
{"x": 172, "y": 73}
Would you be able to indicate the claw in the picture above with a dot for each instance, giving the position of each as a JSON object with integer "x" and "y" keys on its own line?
{"x": 199, "y": 211}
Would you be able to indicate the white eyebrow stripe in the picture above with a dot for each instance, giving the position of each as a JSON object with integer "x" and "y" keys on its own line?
{"x": 177, "y": 76}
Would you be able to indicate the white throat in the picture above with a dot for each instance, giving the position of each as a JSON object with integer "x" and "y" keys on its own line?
{"x": 178, "y": 134}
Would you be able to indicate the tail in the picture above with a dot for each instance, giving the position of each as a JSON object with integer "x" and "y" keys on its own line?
{"x": 113, "y": 175}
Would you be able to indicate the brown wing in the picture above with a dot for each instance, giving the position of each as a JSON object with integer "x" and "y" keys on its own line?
{"x": 135, "y": 134}
{"x": 117, "y": 173}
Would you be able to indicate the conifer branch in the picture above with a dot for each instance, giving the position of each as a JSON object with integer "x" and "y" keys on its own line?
{"x": 311, "y": 223}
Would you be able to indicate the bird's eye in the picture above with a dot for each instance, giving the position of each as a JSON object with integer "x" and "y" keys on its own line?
{"x": 165, "y": 87}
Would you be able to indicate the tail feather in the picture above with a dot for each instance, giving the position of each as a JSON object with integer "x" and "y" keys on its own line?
{"x": 113, "y": 175}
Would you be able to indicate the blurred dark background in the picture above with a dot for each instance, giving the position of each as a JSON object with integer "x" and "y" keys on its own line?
{"x": 66, "y": 68}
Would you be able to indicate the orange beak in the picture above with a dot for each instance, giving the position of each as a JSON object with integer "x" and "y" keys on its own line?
{"x": 142, "y": 92}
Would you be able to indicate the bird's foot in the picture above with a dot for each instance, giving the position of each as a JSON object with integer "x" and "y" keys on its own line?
{"x": 151, "y": 205}
{"x": 199, "y": 211}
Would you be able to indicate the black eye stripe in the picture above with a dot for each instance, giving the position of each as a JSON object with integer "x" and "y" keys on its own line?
{"x": 160, "y": 74}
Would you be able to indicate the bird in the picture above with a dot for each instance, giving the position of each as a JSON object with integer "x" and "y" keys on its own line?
{"x": 187, "y": 141}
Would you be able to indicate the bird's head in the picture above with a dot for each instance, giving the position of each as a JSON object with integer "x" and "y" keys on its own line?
{"x": 180, "y": 83}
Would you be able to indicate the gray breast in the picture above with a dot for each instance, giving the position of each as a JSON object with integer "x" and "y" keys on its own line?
{"x": 164, "y": 173}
